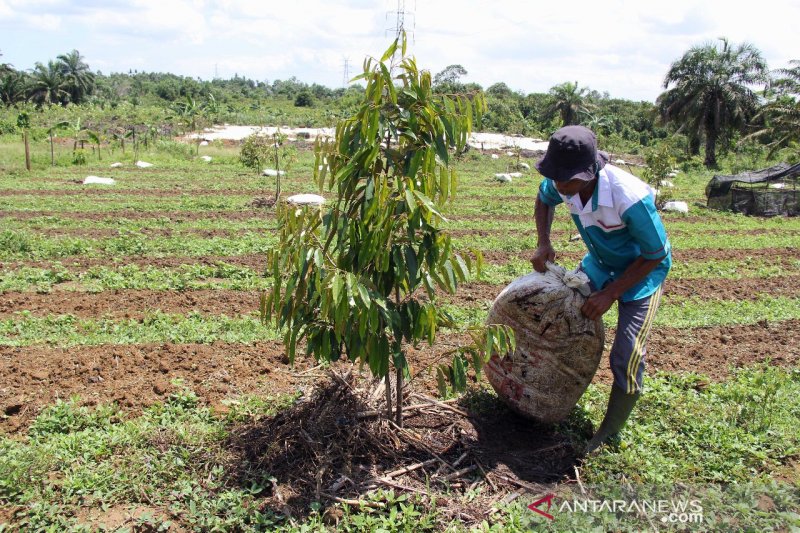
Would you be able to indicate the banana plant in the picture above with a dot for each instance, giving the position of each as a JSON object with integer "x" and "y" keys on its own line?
{"x": 119, "y": 135}
{"x": 97, "y": 138}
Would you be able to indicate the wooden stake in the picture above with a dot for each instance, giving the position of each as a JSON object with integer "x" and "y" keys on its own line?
{"x": 27, "y": 150}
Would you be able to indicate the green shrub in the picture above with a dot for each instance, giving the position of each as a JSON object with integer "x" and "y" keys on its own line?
{"x": 255, "y": 151}
{"x": 304, "y": 99}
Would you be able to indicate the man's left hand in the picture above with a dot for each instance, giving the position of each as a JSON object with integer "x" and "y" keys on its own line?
{"x": 597, "y": 304}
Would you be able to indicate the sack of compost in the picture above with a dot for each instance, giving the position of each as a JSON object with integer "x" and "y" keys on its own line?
{"x": 558, "y": 348}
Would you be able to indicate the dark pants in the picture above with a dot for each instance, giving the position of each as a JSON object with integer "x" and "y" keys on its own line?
{"x": 630, "y": 343}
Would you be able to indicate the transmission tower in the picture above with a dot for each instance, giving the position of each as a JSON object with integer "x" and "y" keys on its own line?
{"x": 400, "y": 23}
{"x": 346, "y": 75}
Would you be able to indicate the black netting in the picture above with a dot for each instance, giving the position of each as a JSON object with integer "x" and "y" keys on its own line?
{"x": 767, "y": 192}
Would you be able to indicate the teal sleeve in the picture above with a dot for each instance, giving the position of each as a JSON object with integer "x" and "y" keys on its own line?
{"x": 646, "y": 228}
{"x": 548, "y": 193}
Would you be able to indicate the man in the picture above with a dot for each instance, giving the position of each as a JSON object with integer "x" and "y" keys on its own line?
{"x": 629, "y": 253}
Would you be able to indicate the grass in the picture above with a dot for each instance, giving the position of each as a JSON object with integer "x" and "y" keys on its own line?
{"x": 16, "y": 246}
{"x": 682, "y": 314}
{"x": 68, "y": 330}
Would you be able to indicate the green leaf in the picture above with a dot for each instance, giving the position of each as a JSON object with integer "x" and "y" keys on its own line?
{"x": 477, "y": 362}
{"x": 429, "y": 205}
{"x": 336, "y": 289}
{"x": 389, "y": 51}
{"x": 459, "y": 374}
{"x": 489, "y": 342}
{"x": 441, "y": 149}
{"x": 364, "y": 295}
{"x": 451, "y": 278}
{"x": 389, "y": 84}
{"x": 411, "y": 265}
{"x": 411, "y": 202}
{"x": 459, "y": 268}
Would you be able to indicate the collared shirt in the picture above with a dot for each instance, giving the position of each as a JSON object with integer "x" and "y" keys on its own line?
{"x": 619, "y": 224}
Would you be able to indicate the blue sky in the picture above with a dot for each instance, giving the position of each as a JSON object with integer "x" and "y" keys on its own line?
{"x": 623, "y": 47}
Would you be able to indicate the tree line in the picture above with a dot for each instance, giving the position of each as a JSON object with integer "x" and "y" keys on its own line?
{"x": 716, "y": 96}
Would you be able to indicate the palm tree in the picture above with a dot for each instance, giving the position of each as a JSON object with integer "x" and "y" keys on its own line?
{"x": 567, "y": 101}
{"x": 47, "y": 85}
{"x": 782, "y": 113}
{"x": 79, "y": 80}
{"x": 12, "y": 87}
{"x": 711, "y": 91}
{"x": 5, "y": 68}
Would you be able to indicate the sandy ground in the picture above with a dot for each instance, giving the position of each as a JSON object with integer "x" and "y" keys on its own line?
{"x": 485, "y": 141}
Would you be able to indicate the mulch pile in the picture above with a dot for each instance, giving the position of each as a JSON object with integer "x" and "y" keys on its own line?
{"x": 338, "y": 446}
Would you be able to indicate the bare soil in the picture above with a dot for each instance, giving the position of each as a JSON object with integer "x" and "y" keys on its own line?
{"x": 125, "y": 304}
{"x": 136, "y": 376}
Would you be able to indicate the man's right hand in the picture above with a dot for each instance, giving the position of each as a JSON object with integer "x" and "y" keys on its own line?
{"x": 542, "y": 255}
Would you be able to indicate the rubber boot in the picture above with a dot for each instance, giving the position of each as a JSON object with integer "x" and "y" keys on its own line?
{"x": 620, "y": 405}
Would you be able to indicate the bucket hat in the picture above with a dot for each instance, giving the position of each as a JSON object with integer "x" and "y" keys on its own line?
{"x": 572, "y": 153}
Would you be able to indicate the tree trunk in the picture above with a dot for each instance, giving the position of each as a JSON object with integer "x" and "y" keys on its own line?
{"x": 388, "y": 385}
{"x": 711, "y": 149}
{"x": 399, "y": 407}
{"x": 694, "y": 145}
{"x": 398, "y": 371}
{"x": 27, "y": 150}
{"x": 278, "y": 179}
{"x": 52, "y": 153}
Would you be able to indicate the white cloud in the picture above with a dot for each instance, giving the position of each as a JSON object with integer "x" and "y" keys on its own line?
{"x": 620, "y": 46}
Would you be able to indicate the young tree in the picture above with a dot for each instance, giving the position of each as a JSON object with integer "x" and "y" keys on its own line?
{"x": 360, "y": 279}
{"x": 712, "y": 91}
{"x": 255, "y": 152}
{"x": 51, "y": 131}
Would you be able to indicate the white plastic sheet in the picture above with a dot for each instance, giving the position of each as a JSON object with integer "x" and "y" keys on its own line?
{"x": 97, "y": 180}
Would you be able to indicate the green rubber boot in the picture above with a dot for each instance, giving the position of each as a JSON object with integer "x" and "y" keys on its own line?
{"x": 620, "y": 405}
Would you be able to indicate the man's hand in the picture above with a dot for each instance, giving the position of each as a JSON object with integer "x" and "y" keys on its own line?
{"x": 597, "y": 304}
{"x": 542, "y": 255}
